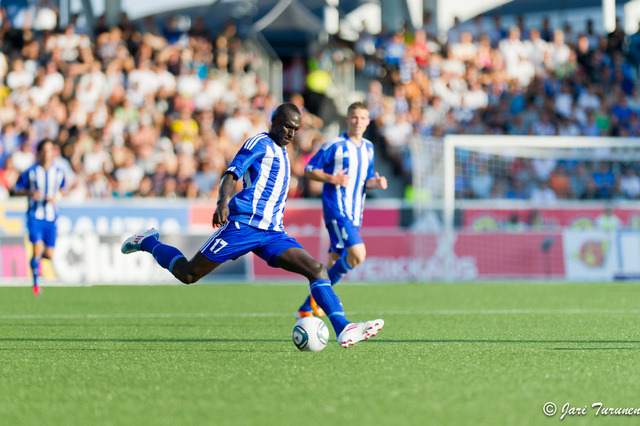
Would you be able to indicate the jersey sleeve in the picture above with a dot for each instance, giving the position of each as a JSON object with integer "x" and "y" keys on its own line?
{"x": 63, "y": 182}
{"x": 322, "y": 158}
{"x": 372, "y": 158}
{"x": 251, "y": 150}
{"x": 23, "y": 181}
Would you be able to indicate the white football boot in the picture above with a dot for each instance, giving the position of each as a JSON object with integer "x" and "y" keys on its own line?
{"x": 353, "y": 333}
{"x": 132, "y": 244}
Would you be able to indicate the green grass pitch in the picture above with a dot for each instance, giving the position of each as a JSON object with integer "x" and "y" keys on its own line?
{"x": 461, "y": 354}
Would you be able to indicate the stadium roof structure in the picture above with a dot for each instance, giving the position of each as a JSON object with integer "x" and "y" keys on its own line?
{"x": 521, "y": 7}
{"x": 289, "y": 15}
{"x": 289, "y": 25}
{"x": 297, "y": 12}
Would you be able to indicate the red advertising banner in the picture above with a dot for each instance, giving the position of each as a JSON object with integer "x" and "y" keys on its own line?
{"x": 576, "y": 217}
{"x": 302, "y": 215}
{"x": 405, "y": 256}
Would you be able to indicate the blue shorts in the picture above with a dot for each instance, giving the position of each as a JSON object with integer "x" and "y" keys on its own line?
{"x": 42, "y": 230}
{"x": 343, "y": 234}
{"x": 234, "y": 239}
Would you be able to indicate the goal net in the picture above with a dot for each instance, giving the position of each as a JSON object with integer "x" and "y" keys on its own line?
{"x": 526, "y": 207}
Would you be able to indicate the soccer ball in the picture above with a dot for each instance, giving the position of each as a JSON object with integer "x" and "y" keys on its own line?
{"x": 310, "y": 334}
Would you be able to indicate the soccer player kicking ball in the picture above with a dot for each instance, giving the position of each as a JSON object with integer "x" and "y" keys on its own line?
{"x": 44, "y": 184}
{"x": 252, "y": 221}
{"x": 345, "y": 165}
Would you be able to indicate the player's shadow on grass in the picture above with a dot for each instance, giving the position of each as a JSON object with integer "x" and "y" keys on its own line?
{"x": 132, "y": 340}
{"x": 593, "y": 349}
{"x": 135, "y": 340}
{"x": 382, "y": 340}
{"x": 111, "y": 325}
{"x": 541, "y": 341}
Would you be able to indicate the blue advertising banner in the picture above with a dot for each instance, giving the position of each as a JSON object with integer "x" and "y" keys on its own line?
{"x": 112, "y": 217}
{"x": 124, "y": 217}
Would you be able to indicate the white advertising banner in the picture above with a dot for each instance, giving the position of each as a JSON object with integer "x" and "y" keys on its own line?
{"x": 590, "y": 255}
{"x": 629, "y": 251}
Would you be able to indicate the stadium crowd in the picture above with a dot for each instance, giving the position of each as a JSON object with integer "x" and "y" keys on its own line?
{"x": 137, "y": 110}
{"x": 489, "y": 80}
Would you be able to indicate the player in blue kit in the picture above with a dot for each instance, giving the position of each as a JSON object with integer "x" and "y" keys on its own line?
{"x": 44, "y": 184}
{"x": 345, "y": 165}
{"x": 252, "y": 221}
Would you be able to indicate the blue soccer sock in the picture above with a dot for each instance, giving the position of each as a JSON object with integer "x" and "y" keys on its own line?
{"x": 339, "y": 270}
{"x": 306, "y": 306}
{"x": 327, "y": 299}
{"x": 35, "y": 268}
{"x": 165, "y": 255}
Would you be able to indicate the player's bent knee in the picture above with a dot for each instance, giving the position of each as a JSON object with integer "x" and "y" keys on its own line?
{"x": 182, "y": 272}
{"x": 356, "y": 259}
{"x": 356, "y": 255}
{"x": 190, "y": 279}
{"x": 318, "y": 271}
{"x": 185, "y": 278}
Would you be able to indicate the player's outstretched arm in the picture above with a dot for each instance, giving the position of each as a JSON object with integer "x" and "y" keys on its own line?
{"x": 319, "y": 175}
{"x": 377, "y": 182}
{"x": 227, "y": 188}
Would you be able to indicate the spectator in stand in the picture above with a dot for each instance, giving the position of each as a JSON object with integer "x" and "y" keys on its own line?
{"x": 207, "y": 179}
{"x": 633, "y": 49}
{"x": 19, "y": 77}
{"x": 593, "y": 38}
{"x": 518, "y": 191}
{"x": 455, "y": 32}
{"x": 621, "y": 109}
{"x": 512, "y": 49}
{"x": 429, "y": 27}
{"x": 466, "y": 50}
{"x": 294, "y": 77}
{"x": 128, "y": 176}
{"x": 560, "y": 183}
{"x": 546, "y": 32}
{"x": 536, "y": 49}
{"x": 604, "y": 179}
{"x": 608, "y": 221}
{"x": 185, "y": 127}
{"x": 558, "y": 52}
{"x": 524, "y": 31}
{"x": 542, "y": 194}
{"x": 397, "y": 135}
{"x": 544, "y": 127}
{"x": 394, "y": 50}
{"x": 237, "y": 127}
{"x": 419, "y": 49}
{"x": 616, "y": 39}
{"x": 481, "y": 182}
{"x": 630, "y": 183}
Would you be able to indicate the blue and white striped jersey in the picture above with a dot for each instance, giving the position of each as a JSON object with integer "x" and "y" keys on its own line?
{"x": 334, "y": 156}
{"x": 48, "y": 183}
{"x": 265, "y": 169}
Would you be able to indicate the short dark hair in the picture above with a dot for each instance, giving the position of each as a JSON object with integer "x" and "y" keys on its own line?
{"x": 41, "y": 145}
{"x": 287, "y": 107}
{"x": 357, "y": 105}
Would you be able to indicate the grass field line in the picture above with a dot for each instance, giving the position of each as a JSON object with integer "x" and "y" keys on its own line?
{"x": 281, "y": 314}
